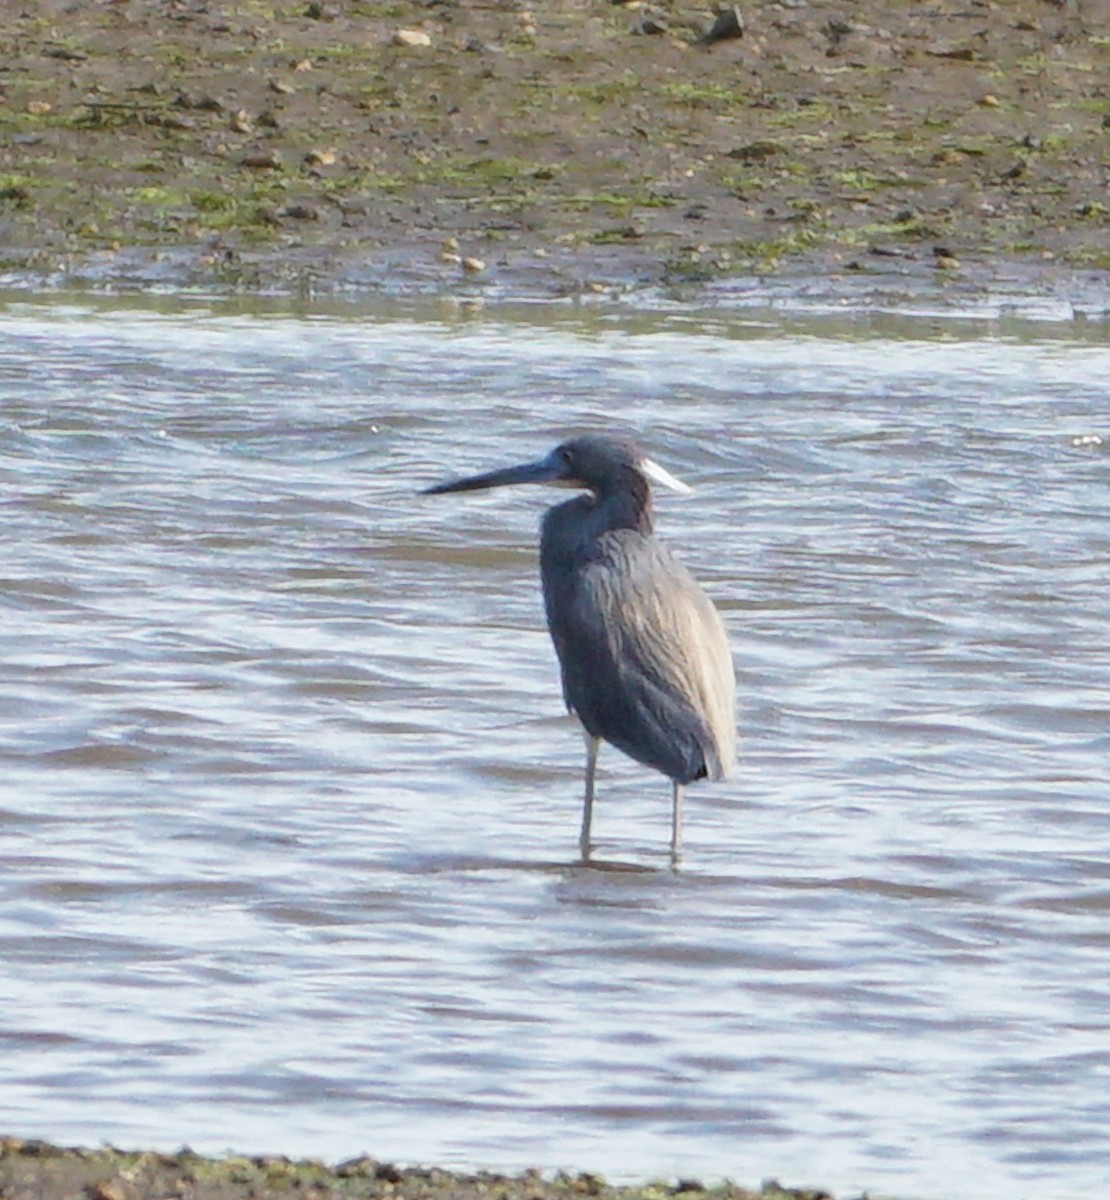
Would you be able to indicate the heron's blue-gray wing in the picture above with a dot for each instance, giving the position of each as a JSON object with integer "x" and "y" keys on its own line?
{"x": 645, "y": 659}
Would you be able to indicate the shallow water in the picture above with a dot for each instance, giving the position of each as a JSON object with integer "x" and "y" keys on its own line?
{"x": 288, "y": 802}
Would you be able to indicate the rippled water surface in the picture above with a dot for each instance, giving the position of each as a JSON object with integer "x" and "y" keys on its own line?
{"x": 289, "y": 804}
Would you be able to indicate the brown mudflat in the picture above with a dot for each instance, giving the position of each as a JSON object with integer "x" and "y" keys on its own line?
{"x": 293, "y": 143}
{"x": 33, "y": 1170}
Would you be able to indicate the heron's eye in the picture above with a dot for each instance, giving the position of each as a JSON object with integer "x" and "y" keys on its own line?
{"x": 564, "y": 456}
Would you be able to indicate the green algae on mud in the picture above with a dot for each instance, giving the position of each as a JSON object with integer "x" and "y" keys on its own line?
{"x": 274, "y": 143}
{"x": 36, "y": 1170}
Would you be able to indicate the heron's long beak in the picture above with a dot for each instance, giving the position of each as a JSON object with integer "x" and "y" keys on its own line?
{"x": 551, "y": 469}
{"x": 547, "y": 470}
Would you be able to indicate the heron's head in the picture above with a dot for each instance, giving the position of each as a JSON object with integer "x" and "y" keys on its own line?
{"x": 594, "y": 462}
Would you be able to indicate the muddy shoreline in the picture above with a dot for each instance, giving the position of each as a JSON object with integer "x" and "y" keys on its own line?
{"x": 36, "y": 1170}
{"x": 334, "y": 146}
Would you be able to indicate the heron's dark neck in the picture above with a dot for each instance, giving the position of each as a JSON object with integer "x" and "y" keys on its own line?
{"x": 625, "y": 503}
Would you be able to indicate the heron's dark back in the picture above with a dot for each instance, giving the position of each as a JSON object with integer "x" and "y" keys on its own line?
{"x": 644, "y": 656}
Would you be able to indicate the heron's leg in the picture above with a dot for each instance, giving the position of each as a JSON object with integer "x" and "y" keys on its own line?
{"x": 676, "y": 825}
{"x": 593, "y": 744}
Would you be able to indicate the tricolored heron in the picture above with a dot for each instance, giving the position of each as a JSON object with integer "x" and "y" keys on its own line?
{"x": 645, "y": 659}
